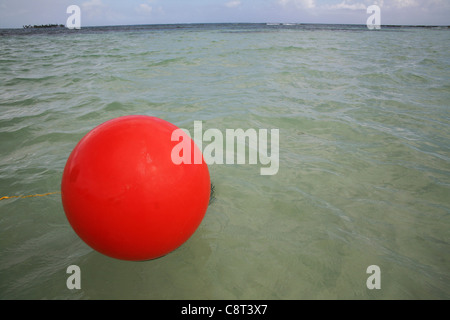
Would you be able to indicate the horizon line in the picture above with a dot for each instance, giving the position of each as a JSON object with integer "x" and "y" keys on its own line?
{"x": 274, "y": 23}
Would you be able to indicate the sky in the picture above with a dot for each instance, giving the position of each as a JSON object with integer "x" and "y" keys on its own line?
{"x": 16, "y": 13}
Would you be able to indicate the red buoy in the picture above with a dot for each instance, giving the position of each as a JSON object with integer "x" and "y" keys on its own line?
{"x": 124, "y": 196}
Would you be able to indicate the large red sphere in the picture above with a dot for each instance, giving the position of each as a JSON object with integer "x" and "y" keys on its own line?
{"x": 124, "y": 196}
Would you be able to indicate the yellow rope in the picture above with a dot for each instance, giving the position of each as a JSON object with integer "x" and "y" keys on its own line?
{"x": 30, "y": 196}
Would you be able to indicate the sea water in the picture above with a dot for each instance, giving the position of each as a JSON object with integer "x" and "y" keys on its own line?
{"x": 364, "y": 158}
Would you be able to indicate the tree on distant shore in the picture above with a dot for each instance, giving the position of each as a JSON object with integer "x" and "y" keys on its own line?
{"x": 44, "y": 26}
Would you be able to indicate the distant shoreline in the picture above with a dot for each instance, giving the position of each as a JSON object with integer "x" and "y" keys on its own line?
{"x": 43, "y": 26}
{"x": 269, "y": 24}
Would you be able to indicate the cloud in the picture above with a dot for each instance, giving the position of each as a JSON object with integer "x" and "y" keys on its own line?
{"x": 304, "y": 4}
{"x": 144, "y": 8}
{"x": 93, "y": 8}
{"x": 347, "y": 6}
{"x": 420, "y": 4}
{"x": 92, "y": 4}
{"x": 233, "y": 4}
{"x": 404, "y": 3}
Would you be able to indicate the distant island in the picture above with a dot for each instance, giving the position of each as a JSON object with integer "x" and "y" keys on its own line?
{"x": 44, "y": 26}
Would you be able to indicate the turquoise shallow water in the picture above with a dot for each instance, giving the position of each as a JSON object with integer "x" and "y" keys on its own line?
{"x": 364, "y": 164}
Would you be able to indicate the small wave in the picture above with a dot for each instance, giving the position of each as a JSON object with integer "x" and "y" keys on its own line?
{"x": 285, "y": 49}
{"x": 26, "y": 80}
{"x": 408, "y": 77}
{"x": 165, "y": 62}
